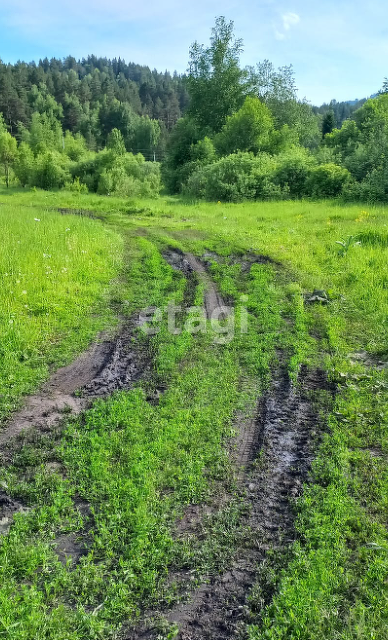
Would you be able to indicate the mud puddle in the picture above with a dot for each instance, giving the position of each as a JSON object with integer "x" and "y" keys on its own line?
{"x": 247, "y": 260}
{"x": 76, "y": 212}
{"x": 188, "y": 264}
{"x": 107, "y": 366}
{"x": 8, "y": 508}
{"x": 273, "y": 454}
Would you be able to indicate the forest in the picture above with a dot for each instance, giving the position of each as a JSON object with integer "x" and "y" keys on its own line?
{"x": 108, "y": 127}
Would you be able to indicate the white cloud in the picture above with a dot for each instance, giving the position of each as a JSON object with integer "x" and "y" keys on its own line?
{"x": 279, "y": 35}
{"x": 290, "y": 20}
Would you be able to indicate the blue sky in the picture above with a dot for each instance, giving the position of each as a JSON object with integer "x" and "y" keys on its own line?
{"x": 339, "y": 49}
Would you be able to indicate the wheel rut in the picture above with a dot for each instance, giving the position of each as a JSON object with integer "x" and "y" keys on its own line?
{"x": 273, "y": 454}
{"x": 107, "y": 366}
{"x": 189, "y": 264}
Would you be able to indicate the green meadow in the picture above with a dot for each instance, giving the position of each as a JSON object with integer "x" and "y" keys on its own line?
{"x": 73, "y": 265}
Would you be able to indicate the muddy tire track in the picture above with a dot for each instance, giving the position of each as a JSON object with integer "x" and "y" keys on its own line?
{"x": 283, "y": 432}
{"x": 273, "y": 454}
{"x": 107, "y": 366}
{"x": 189, "y": 264}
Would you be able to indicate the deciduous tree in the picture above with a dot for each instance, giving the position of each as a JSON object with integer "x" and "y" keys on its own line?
{"x": 215, "y": 82}
{"x": 8, "y": 153}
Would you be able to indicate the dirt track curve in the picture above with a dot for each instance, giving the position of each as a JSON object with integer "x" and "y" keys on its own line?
{"x": 189, "y": 265}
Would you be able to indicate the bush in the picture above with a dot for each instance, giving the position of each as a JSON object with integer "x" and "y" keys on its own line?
{"x": 76, "y": 186}
{"x": 199, "y": 154}
{"x": 230, "y": 179}
{"x": 105, "y": 183}
{"x": 234, "y": 178}
{"x": 293, "y": 170}
{"x": 123, "y": 174}
{"x": 373, "y": 189}
{"x": 51, "y": 171}
{"x": 197, "y": 184}
{"x": 328, "y": 180}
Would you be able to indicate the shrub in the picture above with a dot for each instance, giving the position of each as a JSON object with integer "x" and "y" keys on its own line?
{"x": 198, "y": 155}
{"x": 235, "y": 177}
{"x": 105, "y": 183}
{"x": 373, "y": 189}
{"x": 51, "y": 171}
{"x": 328, "y": 180}
{"x": 122, "y": 174}
{"x": 293, "y": 170}
{"x": 231, "y": 178}
{"x": 76, "y": 186}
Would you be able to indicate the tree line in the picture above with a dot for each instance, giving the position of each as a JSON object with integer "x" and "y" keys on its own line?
{"x": 222, "y": 131}
{"x": 258, "y": 141}
{"x": 87, "y": 93}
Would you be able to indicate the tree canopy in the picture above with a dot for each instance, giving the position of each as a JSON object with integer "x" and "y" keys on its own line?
{"x": 215, "y": 78}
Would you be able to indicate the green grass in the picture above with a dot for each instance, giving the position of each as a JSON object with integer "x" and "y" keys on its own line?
{"x": 138, "y": 465}
{"x": 55, "y": 273}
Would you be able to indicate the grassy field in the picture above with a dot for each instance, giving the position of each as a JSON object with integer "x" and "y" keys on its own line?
{"x": 118, "y": 480}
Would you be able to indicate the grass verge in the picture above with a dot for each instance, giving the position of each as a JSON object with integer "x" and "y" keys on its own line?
{"x": 55, "y": 274}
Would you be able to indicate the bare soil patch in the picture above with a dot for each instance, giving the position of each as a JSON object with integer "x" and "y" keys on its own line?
{"x": 70, "y": 548}
{"x": 248, "y": 259}
{"x": 369, "y": 360}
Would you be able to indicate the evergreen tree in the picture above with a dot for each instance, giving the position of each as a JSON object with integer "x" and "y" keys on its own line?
{"x": 328, "y": 123}
{"x": 384, "y": 88}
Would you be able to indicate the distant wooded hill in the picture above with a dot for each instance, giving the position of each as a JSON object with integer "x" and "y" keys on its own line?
{"x": 342, "y": 110}
{"x": 81, "y": 87}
